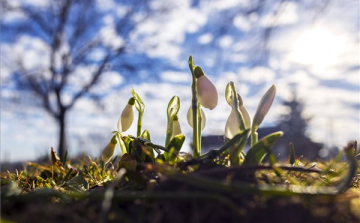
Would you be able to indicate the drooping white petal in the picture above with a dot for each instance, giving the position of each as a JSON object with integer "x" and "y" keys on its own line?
{"x": 206, "y": 92}
{"x": 230, "y": 100}
{"x": 126, "y": 118}
{"x": 246, "y": 116}
{"x": 232, "y": 126}
{"x": 119, "y": 127}
{"x": 189, "y": 116}
{"x": 176, "y": 128}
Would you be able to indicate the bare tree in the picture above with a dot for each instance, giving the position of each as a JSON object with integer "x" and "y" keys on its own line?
{"x": 74, "y": 35}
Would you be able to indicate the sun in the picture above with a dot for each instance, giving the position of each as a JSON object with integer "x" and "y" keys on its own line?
{"x": 318, "y": 47}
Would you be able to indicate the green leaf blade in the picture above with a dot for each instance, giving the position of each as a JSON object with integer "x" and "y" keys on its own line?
{"x": 257, "y": 152}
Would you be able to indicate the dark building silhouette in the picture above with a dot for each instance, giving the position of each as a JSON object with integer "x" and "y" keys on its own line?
{"x": 294, "y": 127}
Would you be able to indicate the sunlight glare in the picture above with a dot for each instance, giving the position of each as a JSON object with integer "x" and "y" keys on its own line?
{"x": 317, "y": 47}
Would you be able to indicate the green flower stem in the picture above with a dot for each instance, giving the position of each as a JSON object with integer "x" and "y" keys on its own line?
{"x": 254, "y": 136}
{"x": 122, "y": 146}
{"x": 121, "y": 143}
{"x": 195, "y": 111}
{"x": 199, "y": 121}
{"x": 196, "y": 138}
{"x": 236, "y": 150}
{"x": 139, "y": 124}
{"x": 155, "y": 146}
{"x": 239, "y": 116}
{"x": 169, "y": 131}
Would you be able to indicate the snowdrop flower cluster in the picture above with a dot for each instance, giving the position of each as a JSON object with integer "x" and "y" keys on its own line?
{"x": 204, "y": 94}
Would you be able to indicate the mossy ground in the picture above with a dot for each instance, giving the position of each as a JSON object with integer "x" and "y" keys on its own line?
{"x": 150, "y": 193}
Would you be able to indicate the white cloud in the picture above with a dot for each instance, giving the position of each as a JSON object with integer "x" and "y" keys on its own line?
{"x": 205, "y": 38}
{"x": 176, "y": 77}
{"x": 226, "y": 41}
{"x": 38, "y": 3}
{"x": 112, "y": 78}
{"x": 105, "y": 5}
{"x": 239, "y": 46}
{"x": 81, "y": 76}
{"x": 300, "y": 78}
{"x": 287, "y": 15}
{"x": 258, "y": 75}
{"x": 352, "y": 77}
{"x": 110, "y": 37}
{"x": 242, "y": 23}
{"x": 238, "y": 58}
{"x": 163, "y": 34}
{"x": 28, "y": 48}
{"x": 12, "y": 16}
{"x": 228, "y": 4}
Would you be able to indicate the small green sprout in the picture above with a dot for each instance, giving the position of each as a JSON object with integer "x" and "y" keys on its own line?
{"x": 140, "y": 107}
{"x": 172, "y": 119}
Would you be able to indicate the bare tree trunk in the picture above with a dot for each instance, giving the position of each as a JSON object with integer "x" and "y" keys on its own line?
{"x": 62, "y": 134}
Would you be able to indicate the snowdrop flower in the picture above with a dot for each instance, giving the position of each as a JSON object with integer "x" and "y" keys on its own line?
{"x": 126, "y": 117}
{"x": 189, "y": 116}
{"x": 264, "y": 106}
{"x": 232, "y": 126}
{"x": 206, "y": 91}
{"x": 176, "y": 127}
{"x": 109, "y": 150}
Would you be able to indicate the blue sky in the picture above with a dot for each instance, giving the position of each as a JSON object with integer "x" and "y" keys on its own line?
{"x": 318, "y": 52}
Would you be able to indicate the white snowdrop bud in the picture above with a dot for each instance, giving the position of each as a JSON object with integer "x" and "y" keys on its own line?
{"x": 109, "y": 150}
{"x": 264, "y": 106}
{"x": 127, "y": 116}
{"x": 190, "y": 118}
